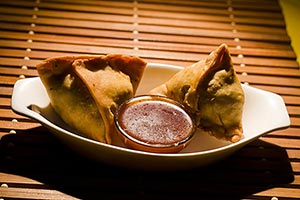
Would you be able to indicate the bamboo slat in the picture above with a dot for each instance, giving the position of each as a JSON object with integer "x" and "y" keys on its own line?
{"x": 34, "y": 165}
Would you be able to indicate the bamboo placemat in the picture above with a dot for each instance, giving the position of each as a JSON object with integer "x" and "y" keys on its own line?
{"x": 34, "y": 165}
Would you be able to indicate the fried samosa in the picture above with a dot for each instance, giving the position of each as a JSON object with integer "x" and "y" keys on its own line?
{"x": 211, "y": 89}
{"x": 86, "y": 90}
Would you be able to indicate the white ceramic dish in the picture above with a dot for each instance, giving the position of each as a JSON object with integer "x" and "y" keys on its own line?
{"x": 263, "y": 113}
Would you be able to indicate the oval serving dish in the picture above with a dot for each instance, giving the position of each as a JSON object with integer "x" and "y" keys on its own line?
{"x": 263, "y": 112}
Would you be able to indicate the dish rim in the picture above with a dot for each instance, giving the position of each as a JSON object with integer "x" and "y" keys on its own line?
{"x": 26, "y": 111}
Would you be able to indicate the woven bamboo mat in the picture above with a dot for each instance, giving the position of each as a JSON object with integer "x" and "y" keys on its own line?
{"x": 34, "y": 165}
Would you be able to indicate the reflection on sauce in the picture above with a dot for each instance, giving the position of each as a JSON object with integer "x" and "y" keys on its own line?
{"x": 156, "y": 122}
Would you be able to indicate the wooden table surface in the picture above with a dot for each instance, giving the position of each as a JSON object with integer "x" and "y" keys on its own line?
{"x": 35, "y": 165}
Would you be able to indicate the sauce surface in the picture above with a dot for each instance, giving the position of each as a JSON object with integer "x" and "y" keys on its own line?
{"x": 155, "y": 122}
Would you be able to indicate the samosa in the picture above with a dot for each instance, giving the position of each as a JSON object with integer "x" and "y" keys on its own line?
{"x": 86, "y": 90}
{"x": 211, "y": 89}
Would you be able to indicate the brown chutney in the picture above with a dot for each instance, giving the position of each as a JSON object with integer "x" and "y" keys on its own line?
{"x": 154, "y": 123}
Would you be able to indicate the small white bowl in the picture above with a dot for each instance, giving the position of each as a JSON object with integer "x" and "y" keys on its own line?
{"x": 154, "y": 123}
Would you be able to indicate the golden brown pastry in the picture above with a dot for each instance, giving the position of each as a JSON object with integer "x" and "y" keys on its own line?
{"x": 86, "y": 90}
{"x": 211, "y": 89}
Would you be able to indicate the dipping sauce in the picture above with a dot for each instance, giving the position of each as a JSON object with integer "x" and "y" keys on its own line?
{"x": 154, "y": 123}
